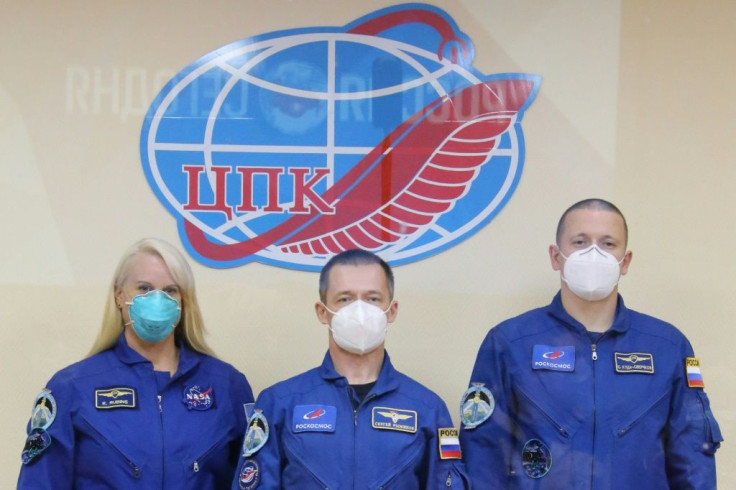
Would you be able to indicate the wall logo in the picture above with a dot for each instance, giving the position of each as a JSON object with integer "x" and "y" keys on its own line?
{"x": 288, "y": 147}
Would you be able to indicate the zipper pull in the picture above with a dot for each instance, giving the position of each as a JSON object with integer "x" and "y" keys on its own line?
{"x": 595, "y": 354}
{"x": 448, "y": 482}
{"x": 160, "y": 408}
{"x": 355, "y": 417}
{"x": 195, "y": 467}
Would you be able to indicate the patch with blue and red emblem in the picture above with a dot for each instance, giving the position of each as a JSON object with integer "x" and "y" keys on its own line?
{"x": 199, "y": 397}
{"x": 553, "y": 358}
{"x": 314, "y": 418}
{"x": 249, "y": 476}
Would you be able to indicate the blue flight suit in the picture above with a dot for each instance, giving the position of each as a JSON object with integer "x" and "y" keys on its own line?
{"x": 612, "y": 412}
{"x": 120, "y": 424}
{"x": 318, "y": 441}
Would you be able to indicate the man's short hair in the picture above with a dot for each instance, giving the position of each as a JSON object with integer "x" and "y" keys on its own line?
{"x": 593, "y": 203}
{"x": 354, "y": 257}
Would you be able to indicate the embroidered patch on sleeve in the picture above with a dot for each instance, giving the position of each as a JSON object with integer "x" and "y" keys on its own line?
{"x": 692, "y": 368}
{"x": 257, "y": 433}
{"x": 449, "y": 443}
{"x": 249, "y": 475}
{"x": 118, "y": 397}
{"x": 44, "y": 410}
{"x": 476, "y": 405}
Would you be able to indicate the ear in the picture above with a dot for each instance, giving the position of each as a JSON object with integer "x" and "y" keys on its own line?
{"x": 322, "y": 314}
{"x": 119, "y": 298}
{"x": 626, "y": 262}
{"x": 393, "y": 310}
{"x": 555, "y": 258}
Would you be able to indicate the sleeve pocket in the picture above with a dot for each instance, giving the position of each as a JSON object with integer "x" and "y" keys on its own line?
{"x": 713, "y": 437}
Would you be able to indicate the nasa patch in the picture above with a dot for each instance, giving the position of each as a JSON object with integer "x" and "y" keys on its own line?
{"x": 288, "y": 147}
{"x": 199, "y": 397}
{"x": 314, "y": 418}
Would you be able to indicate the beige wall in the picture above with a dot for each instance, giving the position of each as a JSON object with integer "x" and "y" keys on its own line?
{"x": 636, "y": 105}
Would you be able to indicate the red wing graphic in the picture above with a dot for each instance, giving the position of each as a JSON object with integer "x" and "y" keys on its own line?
{"x": 417, "y": 173}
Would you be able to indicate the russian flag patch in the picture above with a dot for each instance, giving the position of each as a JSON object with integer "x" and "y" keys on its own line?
{"x": 692, "y": 369}
{"x": 449, "y": 443}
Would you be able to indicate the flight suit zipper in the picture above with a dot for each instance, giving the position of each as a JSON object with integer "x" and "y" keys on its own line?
{"x": 594, "y": 357}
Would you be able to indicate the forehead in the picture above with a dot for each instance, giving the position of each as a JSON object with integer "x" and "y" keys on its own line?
{"x": 594, "y": 222}
{"x": 146, "y": 267}
{"x": 357, "y": 278}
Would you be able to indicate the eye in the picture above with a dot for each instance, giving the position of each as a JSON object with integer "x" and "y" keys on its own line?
{"x": 171, "y": 290}
{"x": 144, "y": 288}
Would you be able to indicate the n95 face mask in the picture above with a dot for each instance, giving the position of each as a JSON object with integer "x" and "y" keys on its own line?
{"x": 154, "y": 315}
{"x": 359, "y": 327}
{"x": 591, "y": 273}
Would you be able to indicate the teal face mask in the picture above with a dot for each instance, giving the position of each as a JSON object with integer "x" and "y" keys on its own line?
{"x": 154, "y": 315}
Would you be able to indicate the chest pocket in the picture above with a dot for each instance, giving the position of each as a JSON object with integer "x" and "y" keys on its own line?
{"x": 532, "y": 409}
{"x": 644, "y": 416}
{"x": 404, "y": 474}
{"x": 298, "y": 474}
{"x": 98, "y": 451}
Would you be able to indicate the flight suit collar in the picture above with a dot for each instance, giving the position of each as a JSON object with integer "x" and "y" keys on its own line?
{"x": 188, "y": 359}
{"x": 620, "y": 320}
{"x": 387, "y": 379}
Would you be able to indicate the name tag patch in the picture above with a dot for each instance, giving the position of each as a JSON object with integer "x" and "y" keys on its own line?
{"x": 552, "y": 358}
{"x": 118, "y": 397}
{"x": 314, "y": 418}
{"x": 634, "y": 362}
{"x": 394, "y": 419}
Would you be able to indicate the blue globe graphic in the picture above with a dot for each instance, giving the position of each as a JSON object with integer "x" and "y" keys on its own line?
{"x": 309, "y": 100}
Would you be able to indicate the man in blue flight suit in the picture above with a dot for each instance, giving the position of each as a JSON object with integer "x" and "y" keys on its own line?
{"x": 585, "y": 393}
{"x": 354, "y": 422}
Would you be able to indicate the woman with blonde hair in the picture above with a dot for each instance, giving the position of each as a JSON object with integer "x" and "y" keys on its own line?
{"x": 150, "y": 407}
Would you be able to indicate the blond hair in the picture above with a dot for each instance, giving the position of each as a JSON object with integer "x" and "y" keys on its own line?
{"x": 191, "y": 326}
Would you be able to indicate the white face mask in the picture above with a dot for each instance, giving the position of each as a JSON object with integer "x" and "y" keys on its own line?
{"x": 359, "y": 327}
{"x": 591, "y": 273}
